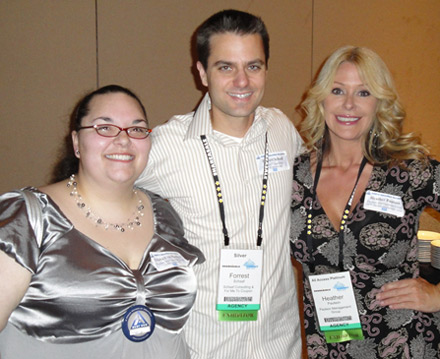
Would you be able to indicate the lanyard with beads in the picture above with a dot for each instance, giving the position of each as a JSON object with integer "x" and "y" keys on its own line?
{"x": 220, "y": 196}
{"x": 341, "y": 233}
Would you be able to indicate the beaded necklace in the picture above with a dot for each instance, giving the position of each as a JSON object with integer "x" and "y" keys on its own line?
{"x": 131, "y": 223}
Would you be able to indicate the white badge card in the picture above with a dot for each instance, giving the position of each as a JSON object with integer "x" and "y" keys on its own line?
{"x": 167, "y": 260}
{"x": 385, "y": 203}
{"x": 277, "y": 162}
{"x": 334, "y": 301}
{"x": 240, "y": 279}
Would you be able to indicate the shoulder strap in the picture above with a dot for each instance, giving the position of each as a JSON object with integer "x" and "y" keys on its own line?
{"x": 34, "y": 212}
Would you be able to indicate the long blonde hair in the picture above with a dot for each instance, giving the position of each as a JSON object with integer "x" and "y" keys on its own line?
{"x": 385, "y": 143}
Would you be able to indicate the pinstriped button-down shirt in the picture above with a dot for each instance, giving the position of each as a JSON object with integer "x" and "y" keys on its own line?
{"x": 178, "y": 170}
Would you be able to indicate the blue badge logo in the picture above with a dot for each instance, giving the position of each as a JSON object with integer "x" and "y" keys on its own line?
{"x": 250, "y": 264}
{"x": 340, "y": 286}
{"x": 138, "y": 323}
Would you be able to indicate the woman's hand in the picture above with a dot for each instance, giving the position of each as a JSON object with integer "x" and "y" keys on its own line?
{"x": 14, "y": 282}
{"x": 416, "y": 294}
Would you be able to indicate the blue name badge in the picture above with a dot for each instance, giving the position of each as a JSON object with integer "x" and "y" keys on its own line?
{"x": 138, "y": 323}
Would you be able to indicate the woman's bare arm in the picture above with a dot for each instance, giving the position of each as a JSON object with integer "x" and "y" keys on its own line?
{"x": 14, "y": 282}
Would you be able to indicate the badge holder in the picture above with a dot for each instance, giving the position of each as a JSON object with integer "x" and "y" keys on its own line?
{"x": 239, "y": 285}
{"x": 336, "y": 308}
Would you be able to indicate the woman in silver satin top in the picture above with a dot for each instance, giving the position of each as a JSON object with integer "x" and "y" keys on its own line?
{"x": 90, "y": 266}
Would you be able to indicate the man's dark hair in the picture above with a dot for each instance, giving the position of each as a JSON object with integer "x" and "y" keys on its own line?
{"x": 234, "y": 21}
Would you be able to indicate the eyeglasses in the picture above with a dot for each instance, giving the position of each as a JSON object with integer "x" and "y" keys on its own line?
{"x": 105, "y": 130}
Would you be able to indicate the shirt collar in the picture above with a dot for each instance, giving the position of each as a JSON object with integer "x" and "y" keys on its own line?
{"x": 201, "y": 122}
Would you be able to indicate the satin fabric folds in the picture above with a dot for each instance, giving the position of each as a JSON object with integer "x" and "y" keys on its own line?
{"x": 79, "y": 290}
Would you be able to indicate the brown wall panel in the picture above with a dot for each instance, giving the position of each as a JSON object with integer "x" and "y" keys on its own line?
{"x": 290, "y": 27}
{"x": 47, "y": 59}
{"x": 146, "y": 46}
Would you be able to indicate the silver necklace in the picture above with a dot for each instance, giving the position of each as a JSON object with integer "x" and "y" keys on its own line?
{"x": 121, "y": 227}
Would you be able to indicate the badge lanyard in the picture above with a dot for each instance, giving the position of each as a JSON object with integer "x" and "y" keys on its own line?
{"x": 220, "y": 195}
{"x": 344, "y": 217}
{"x": 240, "y": 271}
{"x": 336, "y": 327}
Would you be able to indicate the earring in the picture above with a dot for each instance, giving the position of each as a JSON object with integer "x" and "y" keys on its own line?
{"x": 375, "y": 134}
{"x": 376, "y": 147}
{"x": 77, "y": 152}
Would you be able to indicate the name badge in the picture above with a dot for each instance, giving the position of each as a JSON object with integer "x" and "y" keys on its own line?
{"x": 336, "y": 306}
{"x": 239, "y": 284}
{"x": 385, "y": 203}
{"x": 167, "y": 260}
{"x": 277, "y": 162}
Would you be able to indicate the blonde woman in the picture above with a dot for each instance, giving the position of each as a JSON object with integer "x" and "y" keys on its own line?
{"x": 358, "y": 194}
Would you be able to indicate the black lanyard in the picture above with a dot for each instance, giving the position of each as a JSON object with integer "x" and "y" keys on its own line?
{"x": 344, "y": 217}
{"x": 220, "y": 195}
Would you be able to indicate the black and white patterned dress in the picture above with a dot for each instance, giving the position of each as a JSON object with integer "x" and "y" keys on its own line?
{"x": 378, "y": 248}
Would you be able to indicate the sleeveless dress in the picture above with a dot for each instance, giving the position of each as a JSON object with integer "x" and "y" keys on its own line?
{"x": 80, "y": 291}
{"x": 378, "y": 248}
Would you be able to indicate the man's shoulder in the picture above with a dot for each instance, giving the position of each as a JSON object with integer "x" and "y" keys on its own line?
{"x": 275, "y": 118}
{"x": 272, "y": 111}
{"x": 279, "y": 126}
{"x": 177, "y": 125}
{"x": 175, "y": 121}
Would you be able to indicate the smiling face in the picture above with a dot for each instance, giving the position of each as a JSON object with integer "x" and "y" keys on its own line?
{"x": 115, "y": 159}
{"x": 350, "y": 108}
{"x": 235, "y": 77}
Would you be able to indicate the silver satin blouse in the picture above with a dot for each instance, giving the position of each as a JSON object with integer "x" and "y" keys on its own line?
{"x": 80, "y": 291}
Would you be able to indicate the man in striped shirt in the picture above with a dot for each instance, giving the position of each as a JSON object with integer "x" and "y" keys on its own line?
{"x": 227, "y": 170}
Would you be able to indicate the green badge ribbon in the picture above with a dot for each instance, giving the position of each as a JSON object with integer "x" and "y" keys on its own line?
{"x": 343, "y": 335}
{"x": 237, "y": 315}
